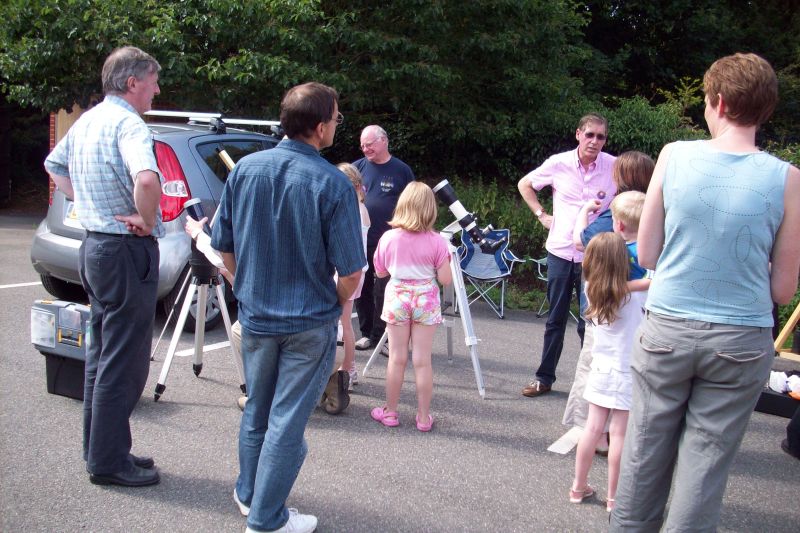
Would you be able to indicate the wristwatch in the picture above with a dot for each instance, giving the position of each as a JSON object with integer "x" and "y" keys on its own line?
{"x": 538, "y": 213}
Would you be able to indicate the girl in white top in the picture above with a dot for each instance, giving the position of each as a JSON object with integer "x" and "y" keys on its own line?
{"x": 415, "y": 256}
{"x": 616, "y": 313}
{"x": 348, "y": 335}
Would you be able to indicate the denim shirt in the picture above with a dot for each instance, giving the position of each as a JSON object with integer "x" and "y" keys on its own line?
{"x": 290, "y": 218}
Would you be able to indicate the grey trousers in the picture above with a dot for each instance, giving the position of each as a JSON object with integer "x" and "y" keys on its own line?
{"x": 120, "y": 275}
{"x": 695, "y": 385}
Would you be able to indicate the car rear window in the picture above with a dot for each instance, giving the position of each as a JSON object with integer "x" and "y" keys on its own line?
{"x": 236, "y": 149}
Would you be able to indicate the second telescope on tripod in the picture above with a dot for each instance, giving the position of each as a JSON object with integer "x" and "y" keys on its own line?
{"x": 468, "y": 221}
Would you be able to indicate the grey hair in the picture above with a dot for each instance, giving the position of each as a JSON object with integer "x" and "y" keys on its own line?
{"x": 380, "y": 132}
{"x": 123, "y": 63}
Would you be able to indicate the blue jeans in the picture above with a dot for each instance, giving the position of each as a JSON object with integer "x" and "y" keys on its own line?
{"x": 285, "y": 377}
{"x": 563, "y": 278}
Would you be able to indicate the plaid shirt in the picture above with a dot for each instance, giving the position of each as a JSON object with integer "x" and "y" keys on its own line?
{"x": 102, "y": 154}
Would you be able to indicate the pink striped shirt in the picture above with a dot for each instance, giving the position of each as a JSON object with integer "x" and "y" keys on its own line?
{"x": 572, "y": 187}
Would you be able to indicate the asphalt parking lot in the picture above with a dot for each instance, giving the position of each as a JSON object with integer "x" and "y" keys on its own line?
{"x": 484, "y": 467}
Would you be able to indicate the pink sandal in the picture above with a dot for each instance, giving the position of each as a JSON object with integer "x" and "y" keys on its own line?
{"x": 425, "y": 427}
{"x": 387, "y": 418}
{"x": 577, "y": 496}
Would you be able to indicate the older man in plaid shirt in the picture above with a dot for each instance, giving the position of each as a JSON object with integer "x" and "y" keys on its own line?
{"x": 106, "y": 164}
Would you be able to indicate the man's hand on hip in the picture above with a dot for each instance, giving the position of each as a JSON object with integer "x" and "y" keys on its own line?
{"x": 136, "y": 224}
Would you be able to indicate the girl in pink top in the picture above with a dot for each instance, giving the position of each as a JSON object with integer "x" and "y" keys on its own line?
{"x": 415, "y": 256}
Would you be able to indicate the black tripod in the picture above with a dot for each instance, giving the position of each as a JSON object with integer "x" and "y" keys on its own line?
{"x": 204, "y": 276}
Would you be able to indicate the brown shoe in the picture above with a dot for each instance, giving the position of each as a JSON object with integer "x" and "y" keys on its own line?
{"x": 535, "y": 388}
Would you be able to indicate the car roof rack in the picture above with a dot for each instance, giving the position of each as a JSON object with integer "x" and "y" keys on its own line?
{"x": 240, "y": 121}
{"x": 216, "y": 122}
{"x": 181, "y": 114}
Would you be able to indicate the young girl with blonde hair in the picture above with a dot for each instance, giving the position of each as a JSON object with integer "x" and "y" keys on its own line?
{"x": 348, "y": 335}
{"x": 416, "y": 257}
{"x": 616, "y": 313}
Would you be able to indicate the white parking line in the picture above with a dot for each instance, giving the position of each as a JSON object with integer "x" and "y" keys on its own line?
{"x": 13, "y": 285}
{"x": 566, "y": 442}
{"x": 206, "y": 348}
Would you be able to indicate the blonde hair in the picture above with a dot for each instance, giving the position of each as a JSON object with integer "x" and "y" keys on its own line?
{"x": 605, "y": 269}
{"x": 355, "y": 178}
{"x": 627, "y": 208}
{"x": 416, "y": 208}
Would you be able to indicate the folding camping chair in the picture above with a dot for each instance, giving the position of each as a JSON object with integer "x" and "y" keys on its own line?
{"x": 541, "y": 273}
{"x": 484, "y": 271}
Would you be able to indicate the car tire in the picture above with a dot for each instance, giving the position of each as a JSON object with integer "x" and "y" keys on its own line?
{"x": 213, "y": 312}
{"x": 63, "y": 290}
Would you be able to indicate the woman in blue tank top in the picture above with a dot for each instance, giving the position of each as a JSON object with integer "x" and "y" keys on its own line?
{"x": 719, "y": 227}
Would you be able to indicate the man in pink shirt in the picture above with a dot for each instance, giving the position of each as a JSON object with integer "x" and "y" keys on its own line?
{"x": 576, "y": 177}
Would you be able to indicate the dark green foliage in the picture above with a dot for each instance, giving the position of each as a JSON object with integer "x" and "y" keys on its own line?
{"x": 641, "y": 45}
{"x": 465, "y": 85}
{"x": 635, "y": 124}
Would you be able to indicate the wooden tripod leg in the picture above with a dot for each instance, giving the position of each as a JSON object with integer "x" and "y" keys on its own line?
{"x": 785, "y": 332}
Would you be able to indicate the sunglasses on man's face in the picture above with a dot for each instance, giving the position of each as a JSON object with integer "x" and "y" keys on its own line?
{"x": 592, "y": 135}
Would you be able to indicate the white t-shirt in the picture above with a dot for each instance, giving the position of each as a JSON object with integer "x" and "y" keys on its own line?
{"x": 613, "y": 342}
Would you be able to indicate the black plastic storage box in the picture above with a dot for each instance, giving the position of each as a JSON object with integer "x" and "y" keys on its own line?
{"x": 58, "y": 331}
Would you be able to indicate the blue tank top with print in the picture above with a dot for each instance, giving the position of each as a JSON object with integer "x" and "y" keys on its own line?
{"x": 722, "y": 212}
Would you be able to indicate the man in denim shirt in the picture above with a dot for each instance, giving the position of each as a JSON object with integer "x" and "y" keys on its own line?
{"x": 287, "y": 220}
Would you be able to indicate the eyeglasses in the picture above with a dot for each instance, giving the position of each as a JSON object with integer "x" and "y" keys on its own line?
{"x": 591, "y": 135}
{"x": 367, "y": 146}
{"x": 339, "y": 118}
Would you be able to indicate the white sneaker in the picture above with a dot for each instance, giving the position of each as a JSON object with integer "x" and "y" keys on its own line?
{"x": 244, "y": 509}
{"x": 353, "y": 376}
{"x": 364, "y": 343}
{"x": 298, "y": 523}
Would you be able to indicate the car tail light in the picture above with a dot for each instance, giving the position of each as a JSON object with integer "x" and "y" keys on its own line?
{"x": 51, "y": 185}
{"x": 174, "y": 190}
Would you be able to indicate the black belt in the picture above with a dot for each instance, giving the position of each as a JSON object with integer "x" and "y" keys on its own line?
{"x": 119, "y": 235}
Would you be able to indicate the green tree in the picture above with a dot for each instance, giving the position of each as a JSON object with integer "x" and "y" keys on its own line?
{"x": 644, "y": 45}
{"x": 470, "y": 85}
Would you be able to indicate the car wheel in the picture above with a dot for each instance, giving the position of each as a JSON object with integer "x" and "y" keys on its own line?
{"x": 63, "y": 290}
{"x": 213, "y": 312}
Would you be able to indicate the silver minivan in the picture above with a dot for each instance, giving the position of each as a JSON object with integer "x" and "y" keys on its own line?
{"x": 188, "y": 157}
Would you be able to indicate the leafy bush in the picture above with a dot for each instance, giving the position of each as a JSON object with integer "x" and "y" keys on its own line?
{"x": 789, "y": 152}
{"x": 635, "y": 124}
{"x": 784, "y": 312}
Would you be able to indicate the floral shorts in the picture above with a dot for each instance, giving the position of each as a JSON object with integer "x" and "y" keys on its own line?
{"x": 412, "y": 300}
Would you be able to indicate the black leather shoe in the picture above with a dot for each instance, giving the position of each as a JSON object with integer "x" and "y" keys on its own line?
{"x": 134, "y": 476}
{"x": 785, "y": 447}
{"x": 143, "y": 462}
